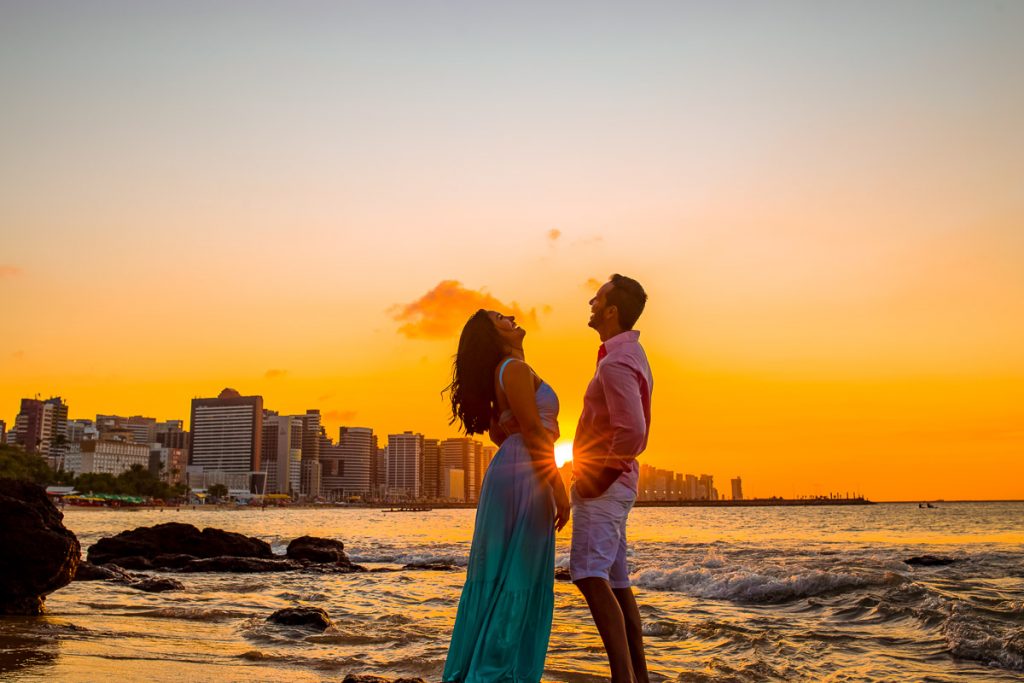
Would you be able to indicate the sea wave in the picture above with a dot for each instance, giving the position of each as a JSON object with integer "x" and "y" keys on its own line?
{"x": 739, "y": 584}
{"x": 410, "y": 558}
{"x": 968, "y": 637}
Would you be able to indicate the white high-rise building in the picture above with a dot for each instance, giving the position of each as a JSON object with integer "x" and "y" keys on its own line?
{"x": 227, "y": 433}
{"x": 405, "y": 465}
{"x": 351, "y": 464}
{"x": 281, "y": 455}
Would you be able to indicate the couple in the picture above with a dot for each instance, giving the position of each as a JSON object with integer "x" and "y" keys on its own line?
{"x": 504, "y": 616}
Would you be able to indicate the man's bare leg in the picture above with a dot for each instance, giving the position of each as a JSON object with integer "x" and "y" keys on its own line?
{"x": 634, "y": 632}
{"x": 611, "y": 624}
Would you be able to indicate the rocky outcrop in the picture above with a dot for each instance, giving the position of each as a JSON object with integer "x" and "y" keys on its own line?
{"x": 241, "y": 565}
{"x": 368, "y": 678}
{"x": 87, "y": 571}
{"x": 172, "y": 540}
{"x": 185, "y": 548}
{"x": 39, "y": 554}
{"x": 312, "y": 617}
{"x": 929, "y": 561}
{"x": 562, "y": 574}
{"x": 157, "y": 585}
{"x": 316, "y": 549}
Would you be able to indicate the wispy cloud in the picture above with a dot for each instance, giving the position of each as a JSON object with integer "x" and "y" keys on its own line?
{"x": 274, "y": 373}
{"x": 441, "y": 312}
{"x": 9, "y": 271}
{"x": 593, "y": 284}
{"x": 340, "y": 415}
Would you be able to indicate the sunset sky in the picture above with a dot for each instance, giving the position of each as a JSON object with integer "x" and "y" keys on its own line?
{"x": 825, "y": 202}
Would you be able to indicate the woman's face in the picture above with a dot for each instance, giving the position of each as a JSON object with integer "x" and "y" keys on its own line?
{"x": 510, "y": 333}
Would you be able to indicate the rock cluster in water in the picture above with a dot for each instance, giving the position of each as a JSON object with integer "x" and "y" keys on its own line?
{"x": 367, "y": 678}
{"x": 312, "y": 617}
{"x": 39, "y": 554}
{"x": 184, "y": 548}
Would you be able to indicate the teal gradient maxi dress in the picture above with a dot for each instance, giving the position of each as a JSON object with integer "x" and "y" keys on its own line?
{"x": 504, "y": 618}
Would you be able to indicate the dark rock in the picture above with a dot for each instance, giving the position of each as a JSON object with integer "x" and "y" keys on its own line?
{"x": 157, "y": 585}
{"x": 562, "y": 574}
{"x": 172, "y": 560}
{"x": 333, "y": 568}
{"x": 87, "y": 571}
{"x": 133, "y": 562}
{"x": 929, "y": 561}
{"x": 368, "y": 678}
{"x": 379, "y": 570}
{"x": 317, "y": 550}
{"x": 240, "y": 565}
{"x": 39, "y": 554}
{"x": 314, "y": 617}
{"x": 174, "y": 538}
{"x": 431, "y": 566}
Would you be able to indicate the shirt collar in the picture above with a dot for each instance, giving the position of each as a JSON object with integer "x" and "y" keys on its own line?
{"x": 622, "y": 339}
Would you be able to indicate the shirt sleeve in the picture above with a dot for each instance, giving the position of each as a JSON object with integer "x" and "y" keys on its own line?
{"x": 622, "y": 390}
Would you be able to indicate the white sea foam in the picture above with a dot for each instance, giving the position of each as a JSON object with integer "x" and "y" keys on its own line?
{"x": 969, "y": 638}
{"x": 716, "y": 578}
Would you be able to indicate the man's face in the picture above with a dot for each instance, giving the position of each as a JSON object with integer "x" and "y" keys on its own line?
{"x": 599, "y": 309}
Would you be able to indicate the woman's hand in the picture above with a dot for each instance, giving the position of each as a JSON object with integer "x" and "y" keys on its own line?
{"x": 562, "y": 507}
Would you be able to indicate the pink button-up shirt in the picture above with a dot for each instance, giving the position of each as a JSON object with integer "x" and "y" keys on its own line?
{"x": 616, "y": 417}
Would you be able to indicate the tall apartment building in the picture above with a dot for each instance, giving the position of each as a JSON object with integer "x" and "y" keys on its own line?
{"x": 488, "y": 454}
{"x": 737, "y": 488}
{"x": 380, "y": 476}
{"x": 311, "y": 470}
{"x": 690, "y": 487}
{"x": 358, "y": 451}
{"x": 3, "y": 432}
{"x": 432, "y": 474}
{"x": 405, "y": 465}
{"x": 281, "y": 453}
{"x": 706, "y": 488}
{"x": 227, "y": 433}
{"x": 463, "y": 454}
{"x": 41, "y": 426}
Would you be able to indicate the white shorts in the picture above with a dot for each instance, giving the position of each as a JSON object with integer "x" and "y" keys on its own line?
{"x": 599, "y": 535}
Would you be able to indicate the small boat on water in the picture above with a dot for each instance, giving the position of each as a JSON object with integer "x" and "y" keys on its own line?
{"x": 409, "y": 508}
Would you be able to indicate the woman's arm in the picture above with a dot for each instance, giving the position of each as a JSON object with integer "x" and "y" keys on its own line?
{"x": 521, "y": 394}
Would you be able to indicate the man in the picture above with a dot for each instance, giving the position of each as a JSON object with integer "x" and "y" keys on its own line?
{"x": 612, "y": 432}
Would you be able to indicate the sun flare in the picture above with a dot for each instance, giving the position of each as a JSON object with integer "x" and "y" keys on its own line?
{"x": 563, "y": 453}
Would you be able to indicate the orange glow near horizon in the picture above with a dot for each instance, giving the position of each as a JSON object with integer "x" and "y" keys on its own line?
{"x": 830, "y": 237}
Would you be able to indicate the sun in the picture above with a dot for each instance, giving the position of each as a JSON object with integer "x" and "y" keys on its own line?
{"x": 563, "y": 453}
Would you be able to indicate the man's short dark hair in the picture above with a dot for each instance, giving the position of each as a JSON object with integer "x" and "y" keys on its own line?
{"x": 629, "y": 299}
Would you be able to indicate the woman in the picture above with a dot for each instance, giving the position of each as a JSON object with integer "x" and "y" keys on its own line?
{"x": 504, "y": 617}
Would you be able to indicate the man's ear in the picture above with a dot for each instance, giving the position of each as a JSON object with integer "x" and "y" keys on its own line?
{"x": 614, "y": 311}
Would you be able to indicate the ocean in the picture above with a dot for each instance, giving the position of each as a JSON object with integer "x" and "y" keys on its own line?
{"x": 726, "y": 594}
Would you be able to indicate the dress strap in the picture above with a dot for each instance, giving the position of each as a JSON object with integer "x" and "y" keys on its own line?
{"x": 501, "y": 373}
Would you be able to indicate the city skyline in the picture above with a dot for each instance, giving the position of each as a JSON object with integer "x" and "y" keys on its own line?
{"x": 822, "y": 201}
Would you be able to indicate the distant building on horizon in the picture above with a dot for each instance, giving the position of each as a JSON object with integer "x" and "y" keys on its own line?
{"x": 3, "y": 432}
{"x": 737, "y": 488}
{"x": 464, "y": 454}
{"x": 348, "y": 466}
{"x": 433, "y": 477}
{"x": 226, "y": 433}
{"x": 281, "y": 453}
{"x": 405, "y": 464}
{"x": 41, "y": 427}
{"x": 106, "y": 456}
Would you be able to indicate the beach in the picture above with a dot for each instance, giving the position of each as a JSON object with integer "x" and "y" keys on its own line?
{"x": 726, "y": 594}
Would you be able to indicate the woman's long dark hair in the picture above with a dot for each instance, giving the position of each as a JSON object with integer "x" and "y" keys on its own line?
{"x": 472, "y": 388}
